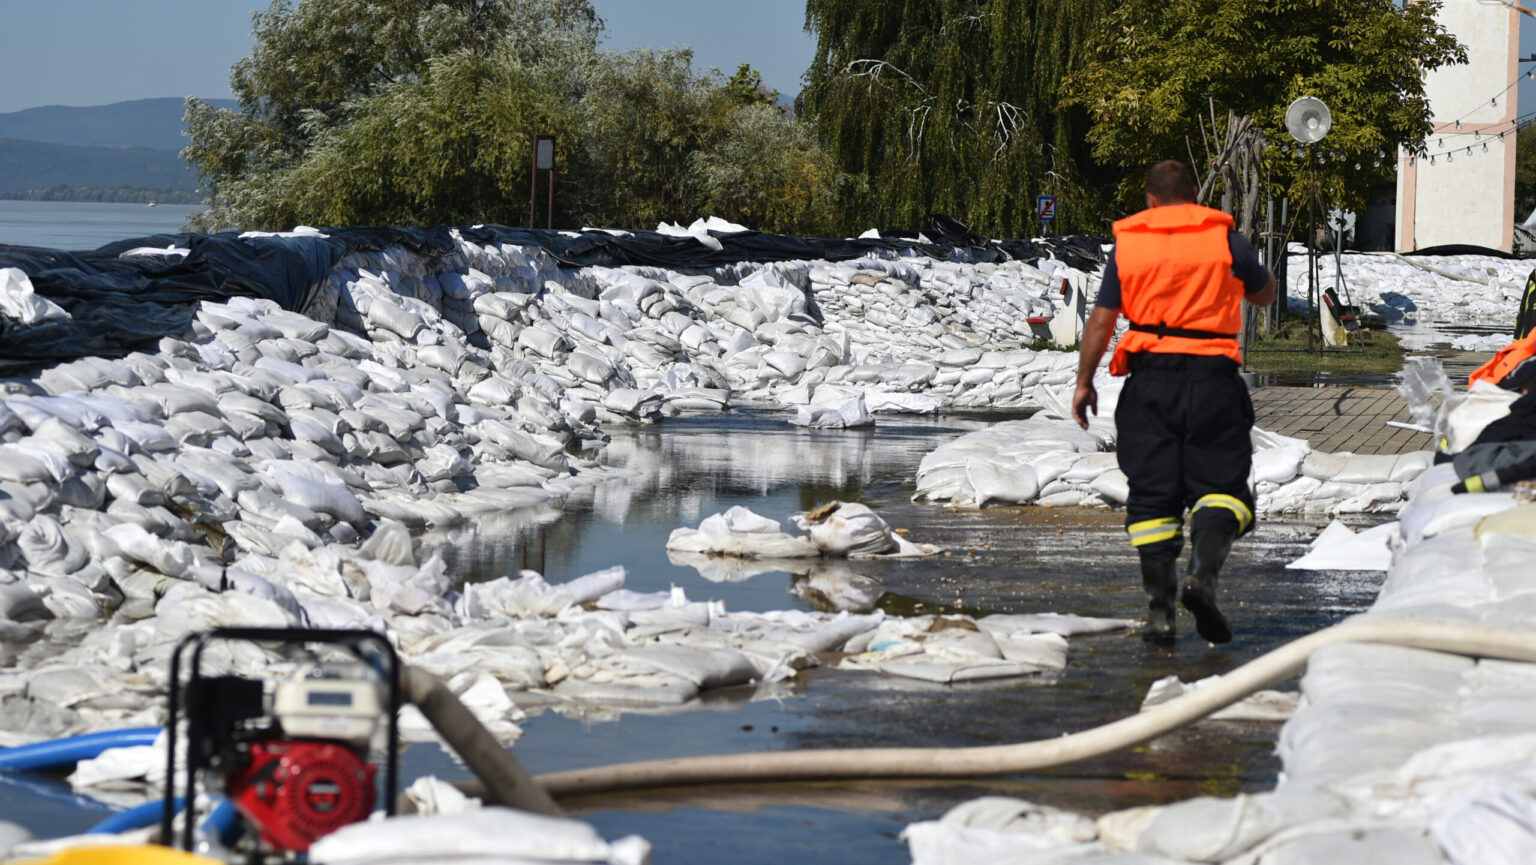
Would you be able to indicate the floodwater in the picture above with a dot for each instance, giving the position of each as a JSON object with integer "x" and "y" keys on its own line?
{"x": 1005, "y": 560}
{"x": 1001, "y": 560}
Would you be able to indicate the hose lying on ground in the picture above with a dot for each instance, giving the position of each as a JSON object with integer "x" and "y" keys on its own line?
{"x": 61, "y": 753}
{"x": 504, "y": 779}
{"x": 223, "y": 820}
{"x": 865, "y": 763}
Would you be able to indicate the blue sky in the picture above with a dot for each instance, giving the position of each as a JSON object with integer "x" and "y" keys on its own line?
{"x": 95, "y": 52}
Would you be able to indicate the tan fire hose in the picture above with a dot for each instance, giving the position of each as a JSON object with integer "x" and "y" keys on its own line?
{"x": 891, "y": 763}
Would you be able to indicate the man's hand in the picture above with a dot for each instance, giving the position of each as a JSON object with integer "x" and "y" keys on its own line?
{"x": 1096, "y": 333}
{"x": 1086, "y": 399}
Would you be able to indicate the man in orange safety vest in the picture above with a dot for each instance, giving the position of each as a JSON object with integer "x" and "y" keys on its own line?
{"x": 1179, "y": 273}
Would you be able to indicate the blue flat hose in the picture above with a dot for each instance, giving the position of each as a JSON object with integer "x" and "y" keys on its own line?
{"x": 222, "y": 820}
{"x": 59, "y": 753}
{"x": 136, "y": 817}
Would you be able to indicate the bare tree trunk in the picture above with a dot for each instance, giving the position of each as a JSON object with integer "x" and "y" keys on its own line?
{"x": 1233, "y": 158}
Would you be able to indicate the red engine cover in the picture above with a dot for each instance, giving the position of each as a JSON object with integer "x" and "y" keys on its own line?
{"x": 295, "y": 792}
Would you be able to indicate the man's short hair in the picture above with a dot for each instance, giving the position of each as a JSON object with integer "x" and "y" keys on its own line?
{"x": 1170, "y": 182}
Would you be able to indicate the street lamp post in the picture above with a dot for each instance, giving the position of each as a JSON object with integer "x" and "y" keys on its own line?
{"x": 543, "y": 160}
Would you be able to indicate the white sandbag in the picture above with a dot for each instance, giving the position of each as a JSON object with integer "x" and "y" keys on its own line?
{"x": 1463, "y": 417}
{"x": 494, "y": 390}
{"x": 843, "y": 415}
{"x": 537, "y": 449}
{"x": 740, "y": 532}
{"x": 1216, "y": 830}
{"x": 132, "y": 487}
{"x": 487, "y": 835}
{"x": 50, "y": 548}
{"x": 632, "y": 402}
{"x": 1112, "y": 486}
{"x": 19, "y": 602}
{"x": 852, "y": 529}
{"x": 1323, "y": 466}
{"x": 390, "y": 542}
{"x": 1278, "y": 465}
{"x": 905, "y": 403}
{"x": 1365, "y": 469}
{"x": 173, "y": 399}
{"x": 504, "y": 597}
{"x": 1490, "y": 822}
{"x": 169, "y": 557}
{"x": 195, "y": 427}
{"x": 1340, "y": 548}
{"x": 19, "y": 465}
{"x": 388, "y": 315}
{"x": 316, "y": 489}
{"x": 1410, "y": 466}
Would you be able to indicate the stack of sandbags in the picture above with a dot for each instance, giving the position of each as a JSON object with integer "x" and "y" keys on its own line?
{"x": 1409, "y": 289}
{"x": 1049, "y": 460}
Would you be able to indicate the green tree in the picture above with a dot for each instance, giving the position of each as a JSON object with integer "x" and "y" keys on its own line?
{"x": 450, "y": 148}
{"x": 951, "y": 106}
{"x": 765, "y": 170}
{"x": 422, "y": 111}
{"x": 317, "y": 65}
{"x": 1158, "y": 66}
{"x": 1525, "y": 172}
{"x": 747, "y": 87}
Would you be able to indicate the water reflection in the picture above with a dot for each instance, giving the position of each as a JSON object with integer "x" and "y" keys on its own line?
{"x": 1003, "y": 560}
{"x": 689, "y": 467}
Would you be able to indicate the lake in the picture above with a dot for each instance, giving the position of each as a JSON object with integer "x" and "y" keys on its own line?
{"x": 78, "y": 225}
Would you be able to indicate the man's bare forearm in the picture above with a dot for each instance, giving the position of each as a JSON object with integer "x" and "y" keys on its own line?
{"x": 1096, "y": 335}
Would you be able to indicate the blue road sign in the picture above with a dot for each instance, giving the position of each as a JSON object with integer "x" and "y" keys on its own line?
{"x": 1045, "y": 207}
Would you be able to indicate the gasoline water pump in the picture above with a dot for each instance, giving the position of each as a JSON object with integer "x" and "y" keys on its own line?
{"x": 297, "y": 757}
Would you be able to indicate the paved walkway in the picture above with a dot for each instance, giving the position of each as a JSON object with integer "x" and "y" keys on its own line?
{"x": 1337, "y": 419}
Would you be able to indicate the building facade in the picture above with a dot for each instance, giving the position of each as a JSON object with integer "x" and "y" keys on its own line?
{"x": 1461, "y": 188}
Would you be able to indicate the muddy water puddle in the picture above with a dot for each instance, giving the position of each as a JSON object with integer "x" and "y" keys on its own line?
{"x": 1007, "y": 560}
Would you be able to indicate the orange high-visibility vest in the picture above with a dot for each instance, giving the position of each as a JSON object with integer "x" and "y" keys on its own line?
{"x": 1505, "y": 360}
{"x": 1176, "y": 272}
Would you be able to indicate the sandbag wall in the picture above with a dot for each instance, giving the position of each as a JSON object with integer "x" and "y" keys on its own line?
{"x": 632, "y": 341}
{"x": 264, "y": 467}
{"x": 1408, "y": 289}
{"x": 1047, "y": 460}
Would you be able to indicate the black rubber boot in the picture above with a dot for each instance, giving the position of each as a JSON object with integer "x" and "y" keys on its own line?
{"x": 1211, "y": 546}
{"x": 1160, "y": 577}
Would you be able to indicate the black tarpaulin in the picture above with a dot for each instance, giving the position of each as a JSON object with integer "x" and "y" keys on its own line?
{"x": 121, "y": 303}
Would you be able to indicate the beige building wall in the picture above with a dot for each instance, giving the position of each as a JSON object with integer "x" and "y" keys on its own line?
{"x": 1463, "y": 190}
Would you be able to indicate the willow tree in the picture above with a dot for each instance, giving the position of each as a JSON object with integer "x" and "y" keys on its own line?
{"x": 950, "y": 106}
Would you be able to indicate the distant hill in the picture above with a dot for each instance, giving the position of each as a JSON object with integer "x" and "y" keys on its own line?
{"x": 31, "y": 165}
{"x": 85, "y": 154}
{"x": 152, "y": 123}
